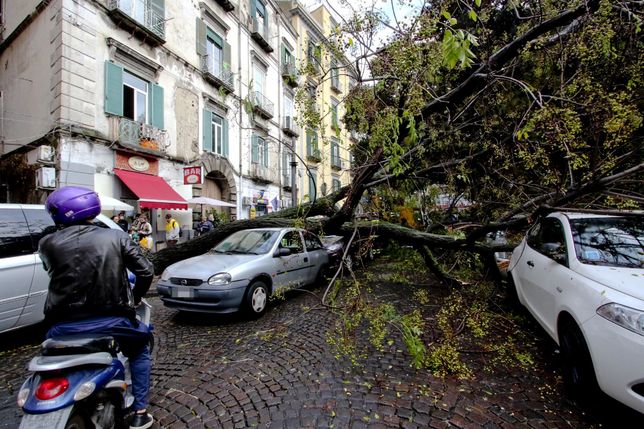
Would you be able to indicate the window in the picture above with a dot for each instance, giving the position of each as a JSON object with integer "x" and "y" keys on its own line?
{"x": 334, "y": 113}
{"x": 312, "y": 144}
{"x": 215, "y": 53}
{"x": 610, "y": 242}
{"x": 336, "y": 184}
{"x": 132, "y": 97}
{"x": 215, "y": 136}
{"x": 287, "y": 55}
{"x": 335, "y": 153}
{"x": 261, "y": 17}
{"x": 313, "y": 180}
{"x": 259, "y": 151}
{"x": 312, "y": 242}
{"x": 549, "y": 230}
{"x": 314, "y": 54}
{"x": 259, "y": 78}
{"x": 148, "y": 13}
{"x": 293, "y": 241}
{"x": 288, "y": 109}
{"x": 335, "y": 75}
{"x": 135, "y": 98}
{"x": 14, "y": 235}
{"x": 135, "y": 8}
{"x": 40, "y": 224}
{"x": 287, "y": 157}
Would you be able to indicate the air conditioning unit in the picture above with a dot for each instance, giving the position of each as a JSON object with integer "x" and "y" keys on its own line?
{"x": 247, "y": 201}
{"x": 41, "y": 155}
{"x": 46, "y": 178}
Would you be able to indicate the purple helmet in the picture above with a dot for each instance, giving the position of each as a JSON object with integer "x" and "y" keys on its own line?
{"x": 72, "y": 204}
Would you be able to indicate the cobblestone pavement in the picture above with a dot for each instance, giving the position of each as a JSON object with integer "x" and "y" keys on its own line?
{"x": 279, "y": 372}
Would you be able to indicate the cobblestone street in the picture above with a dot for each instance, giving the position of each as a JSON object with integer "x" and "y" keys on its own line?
{"x": 280, "y": 372}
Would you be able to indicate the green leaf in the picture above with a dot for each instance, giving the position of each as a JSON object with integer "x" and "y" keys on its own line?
{"x": 447, "y": 15}
{"x": 477, "y": 3}
{"x": 472, "y": 15}
{"x": 453, "y": 21}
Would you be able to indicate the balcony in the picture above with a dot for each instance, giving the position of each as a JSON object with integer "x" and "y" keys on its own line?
{"x": 290, "y": 127}
{"x": 289, "y": 74}
{"x": 222, "y": 78}
{"x": 137, "y": 16}
{"x": 313, "y": 154}
{"x": 262, "y": 174}
{"x": 139, "y": 136}
{"x": 261, "y": 105}
{"x": 226, "y": 5}
{"x": 260, "y": 34}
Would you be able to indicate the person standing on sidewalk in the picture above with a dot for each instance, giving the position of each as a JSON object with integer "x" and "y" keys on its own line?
{"x": 171, "y": 231}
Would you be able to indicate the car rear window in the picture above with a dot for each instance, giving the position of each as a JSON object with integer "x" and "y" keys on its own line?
{"x": 614, "y": 241}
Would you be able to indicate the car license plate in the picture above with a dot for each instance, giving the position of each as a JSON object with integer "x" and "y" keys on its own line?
{"x": 182, "y": 293}
{"x": 45, "y": 421}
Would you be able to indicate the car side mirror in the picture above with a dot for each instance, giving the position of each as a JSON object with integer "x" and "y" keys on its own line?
{"x": 554, "y": 251}
{"x": 282, "y": 251}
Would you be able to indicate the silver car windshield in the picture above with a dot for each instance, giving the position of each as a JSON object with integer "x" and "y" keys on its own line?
{"x": 247, "y": 242}
{"x": 616, "y": 242}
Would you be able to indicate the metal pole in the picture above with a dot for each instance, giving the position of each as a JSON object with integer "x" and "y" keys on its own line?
{"x": 294, "y": 182}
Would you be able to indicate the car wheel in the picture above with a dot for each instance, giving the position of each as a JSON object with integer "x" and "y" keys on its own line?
{"x": 257, "y": 299}
{"x": 511, "y": 294}
{"x": 323, "y": 275}
{"x": 578, "y": 370}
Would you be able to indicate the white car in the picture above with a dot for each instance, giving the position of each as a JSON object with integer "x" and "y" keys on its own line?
{"x": 582, "y": 278}
{"x": 23, "y": 279}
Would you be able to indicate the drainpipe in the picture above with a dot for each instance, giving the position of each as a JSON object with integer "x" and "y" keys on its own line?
{"x": 241, "y": 110}
{"x": 280, "y": 92}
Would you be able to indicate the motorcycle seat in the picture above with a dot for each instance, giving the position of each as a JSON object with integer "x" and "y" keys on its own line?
{"x": 79, "y": 344}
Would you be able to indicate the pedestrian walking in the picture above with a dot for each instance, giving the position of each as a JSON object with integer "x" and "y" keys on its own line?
{"x": 172, "y": 230}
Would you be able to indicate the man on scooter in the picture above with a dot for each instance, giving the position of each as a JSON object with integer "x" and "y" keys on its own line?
{"x": 88, "y": 288}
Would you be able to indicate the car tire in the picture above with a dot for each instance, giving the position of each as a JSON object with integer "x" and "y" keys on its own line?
{"x": 322, "y": 276}
{"x": 511, "y": 293}
{"x": 256, "y": 299}
{"x": 578, "y": 370}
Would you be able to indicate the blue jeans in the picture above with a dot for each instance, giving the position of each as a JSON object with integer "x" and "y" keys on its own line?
{"x": 133, "y": 342}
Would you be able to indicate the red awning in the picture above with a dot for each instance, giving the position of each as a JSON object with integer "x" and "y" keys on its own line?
{"x": 153, "y": 191}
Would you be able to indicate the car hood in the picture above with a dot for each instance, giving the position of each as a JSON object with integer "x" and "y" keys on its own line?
{"x": 626, "y": 280}
{"x": 204, "y": 266}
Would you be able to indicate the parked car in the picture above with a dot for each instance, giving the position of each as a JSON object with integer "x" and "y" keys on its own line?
{"x": 23, "y": 279}
{"x": 243, "y": 271}
{"x": 582, "y": 278}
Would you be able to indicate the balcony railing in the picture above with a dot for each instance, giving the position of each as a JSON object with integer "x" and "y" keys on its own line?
{"x": 261, "y": 35}
{"x": 289, "y": 73}
{"x": 313, "y": 153}
{"x": 223, "y": 78}
{"x": 139, "y": 17}
{"x": 290, "y": 127}
{"x": 262, "y": 105}
{"x": 140, "y": 136}
{"x": 264, "y": 174}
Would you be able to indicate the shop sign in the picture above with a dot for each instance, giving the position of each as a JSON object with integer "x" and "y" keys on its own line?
{"x": 192, "y": 175}
{"x": 138, "y": 163}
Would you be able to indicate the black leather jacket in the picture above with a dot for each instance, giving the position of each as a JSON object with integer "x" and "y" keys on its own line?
{"x": 86, "y": 266}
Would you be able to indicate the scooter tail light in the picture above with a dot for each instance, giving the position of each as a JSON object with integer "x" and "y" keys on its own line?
{"x": 50, "y": 388}
{"x": 84, "y": 390}
{"x": 23, "y": 395}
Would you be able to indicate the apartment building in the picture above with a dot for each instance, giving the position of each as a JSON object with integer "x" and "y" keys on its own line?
{"x": 324, "y": 149}
{"x": 154, "y": 102}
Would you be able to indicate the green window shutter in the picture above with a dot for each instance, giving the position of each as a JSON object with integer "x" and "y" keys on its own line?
{"x": 283, "y": 54}
{"x": 207, "y": 130}
{"x": 312, "y": 183}
{"x": 201, "y": 37}
{"x": 113, "y": 89}
{"x": 309, "y": 143}
{"x": 253, "y": 8}
{"x": 265, "y": 153}
{"x": 214, "y": 36}
{"x": 224, "y": 136}
{"x": 254, "y": 150}
{"x": 156, "y": 106}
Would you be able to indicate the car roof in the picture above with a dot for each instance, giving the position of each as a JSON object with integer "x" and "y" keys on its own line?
{"x": 284, "y": 228}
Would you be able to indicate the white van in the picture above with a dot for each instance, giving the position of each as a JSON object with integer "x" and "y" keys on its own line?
{"x": 23, "y": 279}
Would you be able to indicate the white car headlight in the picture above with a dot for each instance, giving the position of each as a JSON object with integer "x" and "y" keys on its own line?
{"x": 165, "y": 276}
{"x": 220, "y": 279}
{"x": 626, "y": 317}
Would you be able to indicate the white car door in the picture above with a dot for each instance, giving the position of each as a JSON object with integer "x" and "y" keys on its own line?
{"x": 291, "y": 269}
{"x": 541, "y": 278}
{"x": 17, "y": 262}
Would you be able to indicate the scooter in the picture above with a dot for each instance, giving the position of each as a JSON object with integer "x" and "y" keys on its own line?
{"x": 79, "y": 381}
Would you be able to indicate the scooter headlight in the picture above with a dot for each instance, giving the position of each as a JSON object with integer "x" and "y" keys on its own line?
{"x": 84, "y": 390}
{"x": 23, "y": 395}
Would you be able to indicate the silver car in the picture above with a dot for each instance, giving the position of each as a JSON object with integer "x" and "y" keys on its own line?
{"x": 244, "y": 270}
